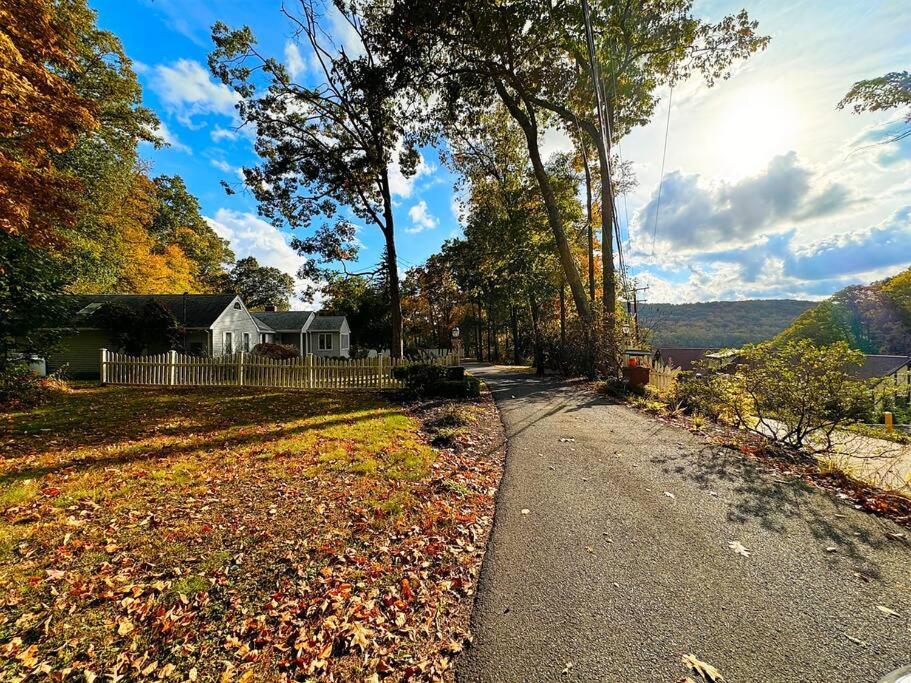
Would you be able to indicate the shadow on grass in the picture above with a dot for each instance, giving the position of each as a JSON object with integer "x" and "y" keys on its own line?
{"x": 120, "y": 419}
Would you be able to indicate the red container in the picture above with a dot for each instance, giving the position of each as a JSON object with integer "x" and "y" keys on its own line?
{"x": 636, "y": 375}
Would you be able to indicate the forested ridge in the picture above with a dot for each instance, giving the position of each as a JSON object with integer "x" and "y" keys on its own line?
{"x": 719, "y": 323}
{"x": 874, "y": 318}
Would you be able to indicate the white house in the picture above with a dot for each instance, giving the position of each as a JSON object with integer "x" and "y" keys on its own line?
{"x": 321, "y": 335}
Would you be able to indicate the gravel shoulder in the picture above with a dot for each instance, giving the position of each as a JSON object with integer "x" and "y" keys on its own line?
{"x": 610, "y": 557}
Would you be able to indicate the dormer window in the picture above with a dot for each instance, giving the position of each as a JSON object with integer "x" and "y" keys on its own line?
{"x": 236, "y": 305}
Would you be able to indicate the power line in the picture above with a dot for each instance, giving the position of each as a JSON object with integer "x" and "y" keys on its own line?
{"x": 667, "y": 128}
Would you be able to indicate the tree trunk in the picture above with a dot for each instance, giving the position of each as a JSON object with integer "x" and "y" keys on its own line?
{"x": 563, "y": 317}
{"x": 589, "y": 220}
{"x": 489, "y": 339}
{"x": 516, "y": 357}
{"x": 396, "y": 347}
{"x": 478, "y": 334}
{"x": 608, "y": 278}
{"x": 529, "y": 127}
{"x": 536, "y": 331}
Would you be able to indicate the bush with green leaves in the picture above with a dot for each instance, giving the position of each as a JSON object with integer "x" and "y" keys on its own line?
{"x": 426, "y": 379}
{"x": 799, "y": 394}
{"x": 711, "y": 394}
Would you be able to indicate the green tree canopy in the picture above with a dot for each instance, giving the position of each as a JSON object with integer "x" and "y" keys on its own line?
{"x": 261, "y": 286}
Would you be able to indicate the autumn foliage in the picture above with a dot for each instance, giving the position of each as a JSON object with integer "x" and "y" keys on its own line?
{"x": 40, "y": 114}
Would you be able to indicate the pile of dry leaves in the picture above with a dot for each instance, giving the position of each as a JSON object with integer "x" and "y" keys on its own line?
{"x": 301, "y": 543}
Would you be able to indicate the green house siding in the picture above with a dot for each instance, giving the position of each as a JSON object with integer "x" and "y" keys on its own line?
{"x": 79, "y": 354}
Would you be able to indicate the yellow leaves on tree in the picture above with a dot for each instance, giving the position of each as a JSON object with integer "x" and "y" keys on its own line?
{"x": 147, "y": 267}
{"x": 40, "y": 114}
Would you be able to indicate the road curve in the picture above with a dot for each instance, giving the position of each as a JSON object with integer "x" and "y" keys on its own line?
{"x": 610, "y": 559}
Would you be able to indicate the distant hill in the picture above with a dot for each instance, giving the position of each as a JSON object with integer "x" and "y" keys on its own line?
{"x": 873, "y": 318}
{"x": 719, "y": 323}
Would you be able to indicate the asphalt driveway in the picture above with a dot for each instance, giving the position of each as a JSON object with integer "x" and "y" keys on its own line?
{"x": 610, "y": 557}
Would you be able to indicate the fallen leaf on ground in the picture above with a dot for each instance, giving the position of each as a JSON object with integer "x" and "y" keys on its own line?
{"x": 669, "y": 494}
{"x": 564, "y": 439}
{"x": 525, "y": 511}
{"x": 858, "y": 641}
{"x": 831, "y": 549}
{"x": 739, "y": 548}
{"x": 567, "y": 668}
{"x": 886, "y": 610}
{"x": 705, "y": 671}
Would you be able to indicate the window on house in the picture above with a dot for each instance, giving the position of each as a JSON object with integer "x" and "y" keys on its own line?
{"x": 262, "y": 338}
{"x": 345, "y": 341}
{"x": 324, "y": 341}
{"x": 246, "y": 341}
{"x": 229, "y": 342}
{"x": 236, "y": 305}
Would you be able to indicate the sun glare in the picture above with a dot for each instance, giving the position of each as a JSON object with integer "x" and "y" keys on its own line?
{"x": 756, "y": 125}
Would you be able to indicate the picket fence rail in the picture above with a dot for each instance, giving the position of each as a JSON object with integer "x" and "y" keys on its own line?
{"x": 249, "y": 370}
{"x": 662, "y": 376}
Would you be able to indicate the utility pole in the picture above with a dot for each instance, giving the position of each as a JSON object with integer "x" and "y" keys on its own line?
{"x": 635, "y": 316}
{"x": 604, "y": 130}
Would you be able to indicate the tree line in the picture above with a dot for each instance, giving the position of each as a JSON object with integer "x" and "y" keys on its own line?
{"x": 80, "y": 212}
{"x": 482, "y": 81}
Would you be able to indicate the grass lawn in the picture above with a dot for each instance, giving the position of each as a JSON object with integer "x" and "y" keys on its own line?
{"x": 232, "y": 534}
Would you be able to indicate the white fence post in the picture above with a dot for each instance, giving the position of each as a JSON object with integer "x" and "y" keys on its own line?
{"x": 240, "y": 368}
{"x": 172, "y": 367}
{"x": 103, "y": 366}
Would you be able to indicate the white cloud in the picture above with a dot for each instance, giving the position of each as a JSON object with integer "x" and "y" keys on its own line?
{"x": 187, "y": 90}
{"x": 399, "y": 185}
{"x": 249, "y": 235}
{"x": 218, "y": 134}
{"x": 421, "y": 219}
{"x": 223, "y": 165}
{"x": 170, "y": 138}
{"x": 293, "y": 60}
{"x": 694, "y": 216}
{"x": 343, "y": 32}
{"x": 776, "y": 266}
{"x": 555, "y": 141}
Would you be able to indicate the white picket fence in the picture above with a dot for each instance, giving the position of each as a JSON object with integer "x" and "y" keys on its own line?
{"x": 248, "y": 370}
{"x": 662, "y": 376}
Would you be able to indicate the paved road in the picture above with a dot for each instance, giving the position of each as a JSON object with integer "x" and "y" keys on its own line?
{"x": 608, "y": 578}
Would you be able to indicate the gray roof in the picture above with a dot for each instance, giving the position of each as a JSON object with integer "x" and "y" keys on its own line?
{"x": 191, "y": 310}
{"x": 283, "y": 321}
{"x": 879, "y": 366}
{"x": 260, "y": 325}
{"x": 326, "y": 323}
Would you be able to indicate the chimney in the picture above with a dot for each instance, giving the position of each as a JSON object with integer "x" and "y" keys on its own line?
{"x": 269, "y": 308}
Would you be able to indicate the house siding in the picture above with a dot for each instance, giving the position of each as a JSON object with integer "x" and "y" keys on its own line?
{"x": 80, "y": 354}
{"x": 336, "y": 350}
{"x": 237, "y": 322}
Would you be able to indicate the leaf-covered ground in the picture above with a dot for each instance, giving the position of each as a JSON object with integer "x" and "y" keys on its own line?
{"x": 230, "y": 534}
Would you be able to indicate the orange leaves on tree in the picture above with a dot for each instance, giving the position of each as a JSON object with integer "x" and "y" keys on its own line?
{"x": 40, "y": 115}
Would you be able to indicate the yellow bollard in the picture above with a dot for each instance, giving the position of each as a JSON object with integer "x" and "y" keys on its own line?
{"x": 887, "y": 417}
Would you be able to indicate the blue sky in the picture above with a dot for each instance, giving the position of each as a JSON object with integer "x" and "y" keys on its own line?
{"x": 768, "y": 190}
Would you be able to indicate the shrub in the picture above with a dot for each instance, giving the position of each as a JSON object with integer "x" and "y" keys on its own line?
{"x": 799, "y": 394}
{"x": 713, "y": 395}
{"x": 425, "y": 379}
{"x": 419, "y": 378}
{"x": 275, "y": 351}
{"x": 21, "y": 389}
